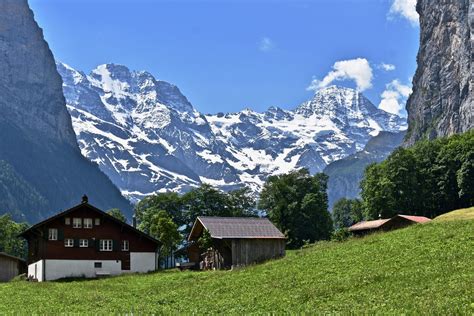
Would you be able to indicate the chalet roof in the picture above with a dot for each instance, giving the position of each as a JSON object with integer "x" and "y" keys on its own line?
{"x": 236, "y": 227}
{"x": 418, "y": 219}
{"x": 102, "y": 214}
{"x": 2, "y": 254}
{"x": 367, "y": 225}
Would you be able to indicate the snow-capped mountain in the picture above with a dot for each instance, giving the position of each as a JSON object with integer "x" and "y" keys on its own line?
{"x": 147, "y": 137}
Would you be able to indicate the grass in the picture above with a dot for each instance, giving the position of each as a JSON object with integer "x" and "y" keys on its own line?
{"x": 461, "y": 214}
{"x": 423, "y": 269}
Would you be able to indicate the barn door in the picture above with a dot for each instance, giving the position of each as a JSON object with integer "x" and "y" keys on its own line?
{"x": 126, "y": 261}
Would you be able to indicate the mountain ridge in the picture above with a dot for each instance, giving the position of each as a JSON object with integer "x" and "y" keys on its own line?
{"x": 147, "y": 137}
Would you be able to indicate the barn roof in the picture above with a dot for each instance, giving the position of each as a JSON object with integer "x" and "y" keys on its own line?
{"x": 418, "y": 219}
{"x": 235, "y": 227}
{"x": 368, "y": 224}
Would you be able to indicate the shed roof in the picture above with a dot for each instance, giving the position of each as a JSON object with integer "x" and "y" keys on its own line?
{"x": 2, "y": 254}
{"x": 418, "y": 219}
{"x": 364, "y": 225}
{"x": 236, "y": 227}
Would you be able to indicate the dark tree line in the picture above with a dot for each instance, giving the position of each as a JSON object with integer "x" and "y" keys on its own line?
{"x": 428, "y": 179}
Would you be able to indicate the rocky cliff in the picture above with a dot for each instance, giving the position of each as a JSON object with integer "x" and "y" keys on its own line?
{"x": 442, "y": 102}
{"x": 38, "y": 146}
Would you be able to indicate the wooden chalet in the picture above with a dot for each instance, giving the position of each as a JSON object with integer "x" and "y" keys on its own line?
{"x": 10, "y": 267}
{"x": 84, "y": 241}
{"x": 236, "y": 241}
{"x": 396, "y": 222}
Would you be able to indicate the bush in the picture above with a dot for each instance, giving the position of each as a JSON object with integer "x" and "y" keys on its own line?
{"x": 341, "y": 234}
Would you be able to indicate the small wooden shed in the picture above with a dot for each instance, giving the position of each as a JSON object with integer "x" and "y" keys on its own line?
{"x": 236, "y": 241}
{"x": 396, "y": 222}
{"x": 10, "y": 267}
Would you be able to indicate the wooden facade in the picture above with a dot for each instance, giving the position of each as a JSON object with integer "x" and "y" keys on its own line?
{"x": 10, "y": 267}
{"x": 81, "y": 247}
{"x": 235, "y": 242}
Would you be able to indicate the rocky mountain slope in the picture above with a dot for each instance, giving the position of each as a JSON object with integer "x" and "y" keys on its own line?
{"x": 42, "y": 168}
{"x": 442, "y": 102}
{"x": 345, "y": 174}
{"x": 147, "y": 137}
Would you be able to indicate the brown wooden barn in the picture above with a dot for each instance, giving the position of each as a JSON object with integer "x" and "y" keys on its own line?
{"x": 10, "y": 267}
{"x": 236, "y": 241}
{"x": 396, "y": 222}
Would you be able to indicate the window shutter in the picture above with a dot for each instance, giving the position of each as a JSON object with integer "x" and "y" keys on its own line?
{"x": 116, "y": 245}
{"x": 45, "y": 234}
{"x": 76, "y": 243}
{"x": 91, "y": 243}
{"x": 97, "y": 245}
{"x": 60, "y": 234}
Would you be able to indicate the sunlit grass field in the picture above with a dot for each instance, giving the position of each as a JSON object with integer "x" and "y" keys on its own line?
{"x": 423, "y": 269}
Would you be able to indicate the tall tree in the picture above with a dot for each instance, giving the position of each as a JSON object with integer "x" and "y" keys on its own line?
{"x": 150, "y": 206}
{"x": 117, "y": 213}
{"x": 9, "y": 241}
{"x": 166, "y": 231}
{"x": 347, "y": 212}
{"x": 297, "y": 204}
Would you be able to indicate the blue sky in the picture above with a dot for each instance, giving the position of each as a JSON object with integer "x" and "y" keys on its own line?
{"x": 227, "y": 55}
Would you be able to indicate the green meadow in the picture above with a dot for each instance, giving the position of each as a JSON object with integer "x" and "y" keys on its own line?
{"x": 422, "y": 269}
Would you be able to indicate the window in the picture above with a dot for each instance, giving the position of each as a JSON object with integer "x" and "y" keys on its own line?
{"x": 97, "y": 265}
{"x": 125, "y": 245}
{"x": 106, "y": 245}
{"x": 68, "y": 242}
{"x": 76, "y": 222}
{"x": 53, "y": 234}
{"x": 67, "y": 221}
{"x": 83, "y": 243}
{"x": 97, "y": 222}
{"x": 87, "y": 222}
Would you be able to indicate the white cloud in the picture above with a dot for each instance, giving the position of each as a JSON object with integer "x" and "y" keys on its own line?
{"x": 358, "y": 70}
{"x": 406, "y": 9}
{"x": 266, "y": 44}
{"x": 387, "y": 67}
{"x": 394, "y": 97}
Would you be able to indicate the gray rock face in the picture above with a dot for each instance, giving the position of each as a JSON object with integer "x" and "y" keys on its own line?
{"x": 38, "y": 144}
{"x": 442, "y": 102}
{"x": 27, "y": 62}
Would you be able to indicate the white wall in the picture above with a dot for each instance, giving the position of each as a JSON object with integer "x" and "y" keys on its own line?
{"x": 39, "y": 270}
{"x": 142, "y": 261}
{"x": 58, "y": 269}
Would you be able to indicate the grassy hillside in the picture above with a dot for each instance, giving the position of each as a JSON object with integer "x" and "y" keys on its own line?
{"x": 462, "y": 214}
{"x": 421, "y": 269}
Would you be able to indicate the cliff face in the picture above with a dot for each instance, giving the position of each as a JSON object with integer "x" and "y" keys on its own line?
{"x": 442, "y": 102}
{"x": 30, "y": 86}
{"x": 38, "y": 147}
